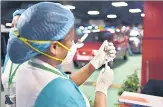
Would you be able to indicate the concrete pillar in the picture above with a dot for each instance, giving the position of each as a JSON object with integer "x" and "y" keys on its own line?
{"x": 152, "y": 56}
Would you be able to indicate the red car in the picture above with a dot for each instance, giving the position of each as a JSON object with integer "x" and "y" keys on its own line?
{"x": 92, "y": 42}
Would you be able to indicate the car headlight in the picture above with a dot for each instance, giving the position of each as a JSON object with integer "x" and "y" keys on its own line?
{"x": 83, "y": 53}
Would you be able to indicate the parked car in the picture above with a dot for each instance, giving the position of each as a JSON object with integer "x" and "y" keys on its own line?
{"x": 92, "y": 42}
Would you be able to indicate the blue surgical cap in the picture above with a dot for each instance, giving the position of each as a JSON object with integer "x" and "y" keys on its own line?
{"x": 42, "y": 21}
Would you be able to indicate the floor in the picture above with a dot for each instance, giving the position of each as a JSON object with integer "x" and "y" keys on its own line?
{"x": 121, "y": 70}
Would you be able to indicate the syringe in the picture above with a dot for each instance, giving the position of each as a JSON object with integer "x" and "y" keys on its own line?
{"x": 108, "y": 59}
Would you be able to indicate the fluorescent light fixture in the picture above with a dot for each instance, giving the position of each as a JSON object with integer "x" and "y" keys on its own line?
{"x": 111, "y": 16}
{"x": 134, "y": 10}
{"x": 142, "y": 15}
{"x": 81, "y": 27}
{"x": 93, "y": 12}
{"x": 70, "y": 7}
{"x": 8, "y": 24}
{"x": 89, "y": 27}
{"x": 119, "y": 4}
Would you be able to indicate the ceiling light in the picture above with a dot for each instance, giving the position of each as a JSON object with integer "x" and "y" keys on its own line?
{"x": 8, "y": 24}
{"x": 70, "y": 7}
{"x": 93, "y": 12}
{"x": 134, "y": 10}
{"x": 111, "y": 16}
{"x": 142, "y": 15}
{"x": 119, "y": 4}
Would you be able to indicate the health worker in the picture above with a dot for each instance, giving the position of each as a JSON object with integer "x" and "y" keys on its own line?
{"x": 42, "y": 40}
{"x": 9, "y": 90}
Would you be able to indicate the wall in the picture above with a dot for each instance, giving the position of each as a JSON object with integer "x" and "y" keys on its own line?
{"x": 152, "y": 42}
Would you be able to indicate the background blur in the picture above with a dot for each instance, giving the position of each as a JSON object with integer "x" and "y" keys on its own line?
{"x": 96, "y": 21}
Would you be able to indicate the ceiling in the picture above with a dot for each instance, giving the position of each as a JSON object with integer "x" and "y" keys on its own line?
{"x": 82, "y": 7}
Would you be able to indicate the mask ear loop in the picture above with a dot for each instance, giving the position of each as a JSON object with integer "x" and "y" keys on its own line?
{"x": 28, "y": 44}
{"x": 42, "y": 42}
{"x": 64, "y": 46}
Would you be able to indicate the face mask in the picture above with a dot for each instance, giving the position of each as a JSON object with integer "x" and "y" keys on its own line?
{"x": 70, "y": 55}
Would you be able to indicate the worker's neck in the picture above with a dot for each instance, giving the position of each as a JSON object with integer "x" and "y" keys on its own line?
{"x": 50, "y": 61}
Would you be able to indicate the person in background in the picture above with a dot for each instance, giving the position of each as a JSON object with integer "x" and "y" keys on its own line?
{"x": 16, "y": 16}
{"x": 7, "y": 67}
{"x": 42, "y": 40}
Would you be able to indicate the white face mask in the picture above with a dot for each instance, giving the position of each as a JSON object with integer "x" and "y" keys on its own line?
{"x": 70, "y": 55}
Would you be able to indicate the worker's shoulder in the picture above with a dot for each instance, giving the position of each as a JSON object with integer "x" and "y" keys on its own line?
{"x": 63, "y": 85}
{"x": 60, "y": 91}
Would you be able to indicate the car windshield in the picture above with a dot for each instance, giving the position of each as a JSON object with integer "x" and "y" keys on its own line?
{"x": 97, "y": 37}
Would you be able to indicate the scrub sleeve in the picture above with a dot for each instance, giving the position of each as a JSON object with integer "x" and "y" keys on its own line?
{"x": 50, "y": 87}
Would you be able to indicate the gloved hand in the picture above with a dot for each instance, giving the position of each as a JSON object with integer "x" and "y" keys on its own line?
{"x": 104, "y": 80}
{"x": 106, "y": 51}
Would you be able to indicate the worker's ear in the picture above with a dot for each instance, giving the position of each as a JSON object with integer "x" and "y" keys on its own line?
{"x": 53, "y": 48}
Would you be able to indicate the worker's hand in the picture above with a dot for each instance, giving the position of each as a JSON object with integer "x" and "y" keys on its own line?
{"x": 104, "y": 80}
{"x": 106, "y": 51}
